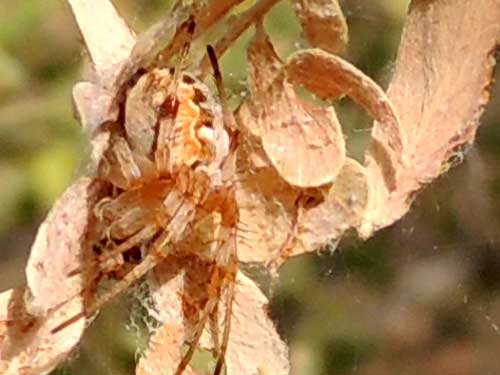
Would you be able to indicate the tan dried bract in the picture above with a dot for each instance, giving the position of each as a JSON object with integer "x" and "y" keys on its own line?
{"x": 285, "y": 123}
{"x": 440, "y": 87}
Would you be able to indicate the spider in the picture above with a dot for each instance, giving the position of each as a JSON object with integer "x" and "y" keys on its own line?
{"x": 168, "y": 165}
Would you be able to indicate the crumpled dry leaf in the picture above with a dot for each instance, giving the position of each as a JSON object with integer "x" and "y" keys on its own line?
{"x": 439, "y": 89}
{"x": 109, "y": 41}
{"x": 277, "y": 220}
{"x": 27, "y": 344}
{"x": 264, "y": 64}
{"x": 254, "y": 345}
{"x": 60, "y": 256}
{"x": 323, "y": 23}
{"x": 334, "y": 77}
{"x": 303, "y": 141}
{"x": 61, "y": 253}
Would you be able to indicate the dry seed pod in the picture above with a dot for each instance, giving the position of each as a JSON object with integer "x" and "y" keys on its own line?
{"x": 266, "y": 206}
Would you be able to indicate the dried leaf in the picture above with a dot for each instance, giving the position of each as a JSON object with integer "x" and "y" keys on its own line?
{"x": 163, "y": 353}
{"x": 323, "y": 23}
{"x": 334, "y": 77}
{"x": 303, "y": 141}
{"x": 266, "y": 206}
{"x": 277, "y": 221}
{"x": 107, "y": 36}
{"x": 440, "y": 88}
{"x": 27, "y": 344}
{"x": 254, "y": 345}
{"x": 344, "y": 205}
{"x": 60, "y": 254}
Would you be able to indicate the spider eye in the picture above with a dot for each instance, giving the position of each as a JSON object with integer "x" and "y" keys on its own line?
{"x": 187, "y": 79}
{"x": 207, "y": 124}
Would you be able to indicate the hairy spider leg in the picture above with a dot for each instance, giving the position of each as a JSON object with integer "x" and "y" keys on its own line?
{"x": 148, "y": 263}
{"x": 232, "y": 258}
{"x": 207, "y": 311}
{"x": 226, "y": 111}
{"x": 158, "y": 253}
{"x": 232, "y": 270}
{"x": 191, "y": 26}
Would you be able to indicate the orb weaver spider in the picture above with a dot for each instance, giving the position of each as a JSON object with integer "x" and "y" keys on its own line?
{"x": 168, "y": 165}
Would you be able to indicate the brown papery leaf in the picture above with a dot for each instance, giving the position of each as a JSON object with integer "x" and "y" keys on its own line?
{"x": 440, "y": 88}
{"x": 266, "y": 206}
{"x": 61, "y": 253}
{"x": 277, "y": 220}
{"x": 264, "y": 64}
{"x": 334, "y": 77}
{"x": 323, "y": 24}
{"x": 109, "y": 41}
{"x": 27, "y": 344}
{"x": 303, "y": 141}
{"x": 344, "y": 206}
{"x": 163, "y": 353}
{"x": 254, "y": 345}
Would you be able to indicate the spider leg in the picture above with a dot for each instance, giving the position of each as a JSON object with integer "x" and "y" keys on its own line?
{"x": 209, "y": 307}
{"x": 226, "y": 111}
{"x": 209, "y": 310}
{"x": 230, "y": 280}
{"x": 154, "y": 257}
{"x": 144, "y": 234}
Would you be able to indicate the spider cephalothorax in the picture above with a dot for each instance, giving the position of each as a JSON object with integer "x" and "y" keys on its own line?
{"x": 171, "y": 122}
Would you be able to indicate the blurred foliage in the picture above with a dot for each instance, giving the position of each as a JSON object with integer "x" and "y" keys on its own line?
{"x": 422, "y": 297}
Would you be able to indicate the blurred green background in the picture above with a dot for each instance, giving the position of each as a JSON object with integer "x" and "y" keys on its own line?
{"x": 422, "y": 297}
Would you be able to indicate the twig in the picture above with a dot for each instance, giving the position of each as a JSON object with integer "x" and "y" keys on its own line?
{"x": 236, "y": 27}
